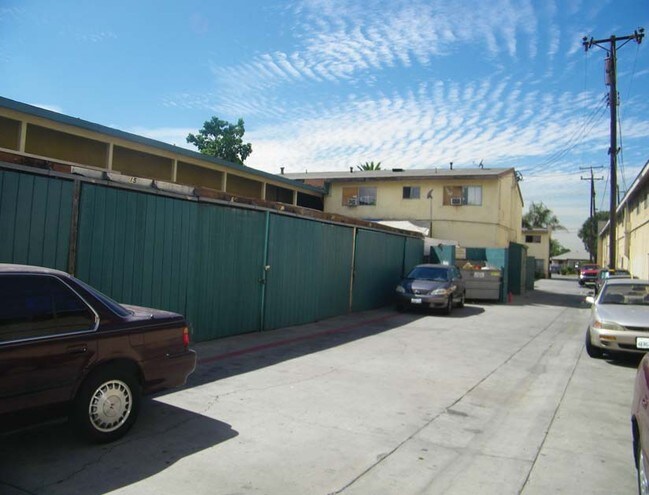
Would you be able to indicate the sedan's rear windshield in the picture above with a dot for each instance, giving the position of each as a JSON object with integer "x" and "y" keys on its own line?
{"x": 429, "y": 273}
{"x": 114, "y": 306}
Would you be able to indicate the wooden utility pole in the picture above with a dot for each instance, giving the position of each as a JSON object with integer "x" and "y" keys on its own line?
{"x": 611, "y": 81}
{"x": 593, "y": 221}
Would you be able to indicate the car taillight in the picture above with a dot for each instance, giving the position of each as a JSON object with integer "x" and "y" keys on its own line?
{"x": 186, "y": 337}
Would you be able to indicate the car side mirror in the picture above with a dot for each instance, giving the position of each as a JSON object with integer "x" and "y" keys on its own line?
{"x": 590, "y": 299}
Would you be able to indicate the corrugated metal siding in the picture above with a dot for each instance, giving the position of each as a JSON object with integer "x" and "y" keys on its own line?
{"x": 35, "y": 217}
{"x": 225, "y": 293}
{"x": 413, "y": 254}
{"x": 136, "y": 247}
{"x": 309, "y": 276}
{"x": 379, "y": 263}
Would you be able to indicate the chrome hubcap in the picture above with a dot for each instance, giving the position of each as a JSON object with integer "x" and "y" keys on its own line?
{"x": 110, "y": 406}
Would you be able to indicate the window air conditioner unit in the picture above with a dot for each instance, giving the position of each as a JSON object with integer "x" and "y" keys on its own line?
{"x": 353, "y": 201}
{"x": 456, "y": 201}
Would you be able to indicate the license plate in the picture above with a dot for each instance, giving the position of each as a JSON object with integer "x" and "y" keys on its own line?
{"x": 642, "y": 342}
{"x": 416, "y": 300}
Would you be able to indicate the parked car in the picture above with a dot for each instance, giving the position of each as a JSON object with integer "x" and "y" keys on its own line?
{"x": 67, "y": 348}
{"x": 640, "y": 424}
{"x": 588, "y": 273}
{"x": 431, "y": 286}
{"x": 619, "y": 320}
{"x": 607, "y": 273}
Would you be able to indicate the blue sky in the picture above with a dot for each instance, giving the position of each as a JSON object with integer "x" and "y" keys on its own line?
{"x": 328, "y": 84}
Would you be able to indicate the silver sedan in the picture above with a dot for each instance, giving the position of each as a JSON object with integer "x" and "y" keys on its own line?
{"x": 619, "y": 319}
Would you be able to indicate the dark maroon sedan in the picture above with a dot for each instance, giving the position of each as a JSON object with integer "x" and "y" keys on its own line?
{"x": 640, "y": 424}
{"x": 66, "y": 347}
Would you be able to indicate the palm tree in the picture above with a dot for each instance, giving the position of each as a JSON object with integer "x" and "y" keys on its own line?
{"x": 369, "y": 166}
{"x": 540, "y": 216}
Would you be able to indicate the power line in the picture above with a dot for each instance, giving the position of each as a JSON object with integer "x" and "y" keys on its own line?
{"x": 575, "y": 139}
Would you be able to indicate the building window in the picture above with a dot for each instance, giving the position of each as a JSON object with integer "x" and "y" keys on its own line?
{"x": 463, "y": 195}
{"x": 411, "y": 192}
{"x": 533, "y": 239}
{"x": 359, "y": 196}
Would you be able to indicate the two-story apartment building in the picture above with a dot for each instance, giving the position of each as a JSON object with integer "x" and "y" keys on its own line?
{"x": 30, "y": 135}
{"x": 477, "y": 207}
{"x": 632, "y": 229}
{"x": 538, "y": 246}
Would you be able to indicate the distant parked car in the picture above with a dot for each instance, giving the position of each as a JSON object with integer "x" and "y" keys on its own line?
{"x": 608, "y": 273}
{"x": 588, "y": 273}
{"x": 640, "y": 424}
{"x": 67, "y": 348}
{"x": 619, "y": 320}
{"x": 431, "y": 286}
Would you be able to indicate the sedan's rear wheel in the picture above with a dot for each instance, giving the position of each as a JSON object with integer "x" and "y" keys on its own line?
{"x": 107, "y": 404}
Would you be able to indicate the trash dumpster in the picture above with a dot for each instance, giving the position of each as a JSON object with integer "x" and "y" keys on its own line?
{"x": 482, "y": 284}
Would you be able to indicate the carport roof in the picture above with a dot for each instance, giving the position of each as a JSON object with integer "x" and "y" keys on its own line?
{"x": 60, "y": 118}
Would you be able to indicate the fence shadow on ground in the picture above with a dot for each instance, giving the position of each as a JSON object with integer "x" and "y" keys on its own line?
{"x": 245, "y": 353}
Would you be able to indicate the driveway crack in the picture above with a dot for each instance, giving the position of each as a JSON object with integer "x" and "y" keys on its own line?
{"x": 387, "y": 455}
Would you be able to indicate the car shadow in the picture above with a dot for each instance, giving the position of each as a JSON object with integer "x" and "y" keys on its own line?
{"x": 51, "y": 459}
{"x": 622, "y": 360}
{"x": 467, "y": 311}
{"x": 538, "y": 297}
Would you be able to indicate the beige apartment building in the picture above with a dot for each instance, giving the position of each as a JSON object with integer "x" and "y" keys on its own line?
{"x": 632, "y": 229}
{"x": 538, "y": 246}
{"x": 477, "y": 207}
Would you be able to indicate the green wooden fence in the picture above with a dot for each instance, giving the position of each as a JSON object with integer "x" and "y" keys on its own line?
{"x": 228, "y": 269}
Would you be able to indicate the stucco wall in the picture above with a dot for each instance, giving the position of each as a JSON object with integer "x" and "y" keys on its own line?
{"x": 494, "y": 223}
{"x": 632, "y": 234}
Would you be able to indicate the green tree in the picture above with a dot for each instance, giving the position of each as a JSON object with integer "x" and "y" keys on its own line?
{"x": 369, "y": 166}
{"x": 540, "y": 216}
{"x": 222, "y": 139}
{"x": 588, "y": 232}
{"x": 556, "y": 248}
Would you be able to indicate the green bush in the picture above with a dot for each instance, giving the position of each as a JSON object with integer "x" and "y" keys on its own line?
{"x": 568, "y": 270}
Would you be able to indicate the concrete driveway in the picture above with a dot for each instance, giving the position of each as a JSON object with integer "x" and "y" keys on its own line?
{"x": 495, "y": 399}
